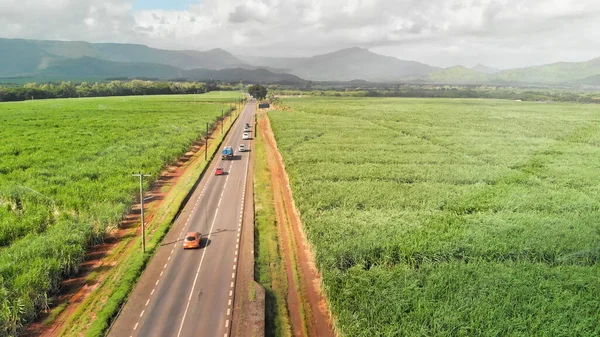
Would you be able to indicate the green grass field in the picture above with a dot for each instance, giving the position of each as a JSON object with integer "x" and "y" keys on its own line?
{"x": 65, "y": 179}
{"x": 450, "y": 217}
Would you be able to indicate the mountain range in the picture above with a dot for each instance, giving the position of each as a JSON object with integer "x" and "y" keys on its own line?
{"x": 21, "y": 58}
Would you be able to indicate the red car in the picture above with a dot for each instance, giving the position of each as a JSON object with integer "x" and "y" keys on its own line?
{"x": 219, "y": 171}
{"x": 192, "y": 240}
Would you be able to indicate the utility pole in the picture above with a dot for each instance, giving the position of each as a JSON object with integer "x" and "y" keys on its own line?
{"x": 141, "y": 176}
{"x": 206, "y": 152}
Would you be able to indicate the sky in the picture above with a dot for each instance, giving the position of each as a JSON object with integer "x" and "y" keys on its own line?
{"x": 497, "y": 33}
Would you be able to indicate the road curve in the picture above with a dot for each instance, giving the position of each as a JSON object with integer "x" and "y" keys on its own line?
{"x": 190, "y": 293}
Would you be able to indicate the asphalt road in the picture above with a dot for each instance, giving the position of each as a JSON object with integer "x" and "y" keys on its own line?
{"x": 190, "y": 292}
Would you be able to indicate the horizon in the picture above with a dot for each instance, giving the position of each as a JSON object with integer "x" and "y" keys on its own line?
{"x": 511, "y": 34}
{"x": 308, "y": 56}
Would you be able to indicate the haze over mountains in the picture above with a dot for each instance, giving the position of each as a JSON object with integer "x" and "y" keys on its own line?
{"x": 64, "y": 60}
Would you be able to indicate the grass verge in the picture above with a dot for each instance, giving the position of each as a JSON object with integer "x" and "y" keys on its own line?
{"x": 269, "y": 268}
{"x": 96, "y": 313}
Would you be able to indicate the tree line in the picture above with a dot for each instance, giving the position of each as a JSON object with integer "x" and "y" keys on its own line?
{"x": 433, "y": 91}
{"x": 100, "y": 89}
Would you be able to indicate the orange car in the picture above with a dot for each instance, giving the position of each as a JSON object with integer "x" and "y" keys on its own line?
{"x": 219, "y": 171}
{"x": 192, "y": 240}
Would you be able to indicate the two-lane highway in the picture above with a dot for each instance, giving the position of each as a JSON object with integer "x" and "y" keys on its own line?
{"x": 190, "y": 292}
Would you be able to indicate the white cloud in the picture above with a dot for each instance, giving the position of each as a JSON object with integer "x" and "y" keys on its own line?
{"x": 443, "y": 32}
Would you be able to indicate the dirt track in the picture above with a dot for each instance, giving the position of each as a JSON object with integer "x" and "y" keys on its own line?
{"x": 305, "y": 297}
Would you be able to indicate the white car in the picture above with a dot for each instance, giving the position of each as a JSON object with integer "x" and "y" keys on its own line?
{"x": 242, "y": 148}
{"x": 246, "y": 136}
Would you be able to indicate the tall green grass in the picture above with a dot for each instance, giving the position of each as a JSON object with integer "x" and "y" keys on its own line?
{"x": 449, "y": 217}
{"x": 66, "y": 180}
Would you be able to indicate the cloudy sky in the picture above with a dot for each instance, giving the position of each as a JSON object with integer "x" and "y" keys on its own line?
{"x": 499, "y": 33}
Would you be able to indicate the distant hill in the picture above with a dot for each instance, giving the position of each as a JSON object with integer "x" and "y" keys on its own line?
{"x": 348, "y": 64}
{"x": 262, "y": 76}
{"x": 591, "y": 80}
{"x": 284, "y": 63}
{"x": 21, "y": 58}
{"x": 485, "y": 69}
{"x": 457, "y": 74}
{"x": 555, "y": 73}
{"x": 25, "y": 57}
{"x": 89, "y": 67}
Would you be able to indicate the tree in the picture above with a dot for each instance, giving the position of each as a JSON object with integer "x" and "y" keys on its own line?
{"x": 258, "y": 91}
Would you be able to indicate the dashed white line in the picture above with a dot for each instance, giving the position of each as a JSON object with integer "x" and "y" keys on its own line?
{"x": 152, "y": 293}
{"x": 200, "y": 264}
{"x": 227, "y": 324}
{"x": 136, "y": 325}
{"x": 228, "y": 311}
{"x": 232, "y": 275}
{"x": 142, "y": 314}
{"x": 157, "y": 282}
{"x": 232, "y": 284}
{"x": 147, "y": 301}
{"x": 161, "y": 273}
{"x": 229, "y": 304}
{"x": 165, "y": 265}
{"x": 230, "y": 293}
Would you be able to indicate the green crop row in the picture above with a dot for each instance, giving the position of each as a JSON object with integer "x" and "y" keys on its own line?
{"x": 65, "y": 181}
{"x": 449, "y": 217}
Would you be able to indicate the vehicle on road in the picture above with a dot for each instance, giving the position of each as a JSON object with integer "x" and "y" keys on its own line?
{"x": 192, "y": 240}
{"x": 227, "y": 153}
{"x": 246, "y": 136}
{"x": 219, "y": 171}
{"x": 246, "y": 129}
{"x": 242, "y": 148}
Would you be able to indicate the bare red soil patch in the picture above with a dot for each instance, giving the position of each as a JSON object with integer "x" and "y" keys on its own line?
{"x": 306, "y": 299}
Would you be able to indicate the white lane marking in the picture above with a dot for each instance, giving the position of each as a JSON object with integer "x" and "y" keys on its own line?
{"x": 234, "y": 267}
{"x": 161, "y": 273}
{"x": 165, "y": 266}
{"x": 233, "y": 275}
{"x": 229, "y": 304}
{"x": 237, "y": 246}
{"x": 227, "y": 324}
{"x": 157, "y": 282}
{"x": 230, "y": 293}
{"x": 152, "y": 293}
{"x": 169, "y": 258}
{"x": 136, "y": 325}
{"x": 187, "y": 307}
{"x": 228, "y": 311}
{"x": 147, "y": 301}
{"x": 142, "y": 314}
{"x": 235, "y": 259}
{"x": 236, "y": 252}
